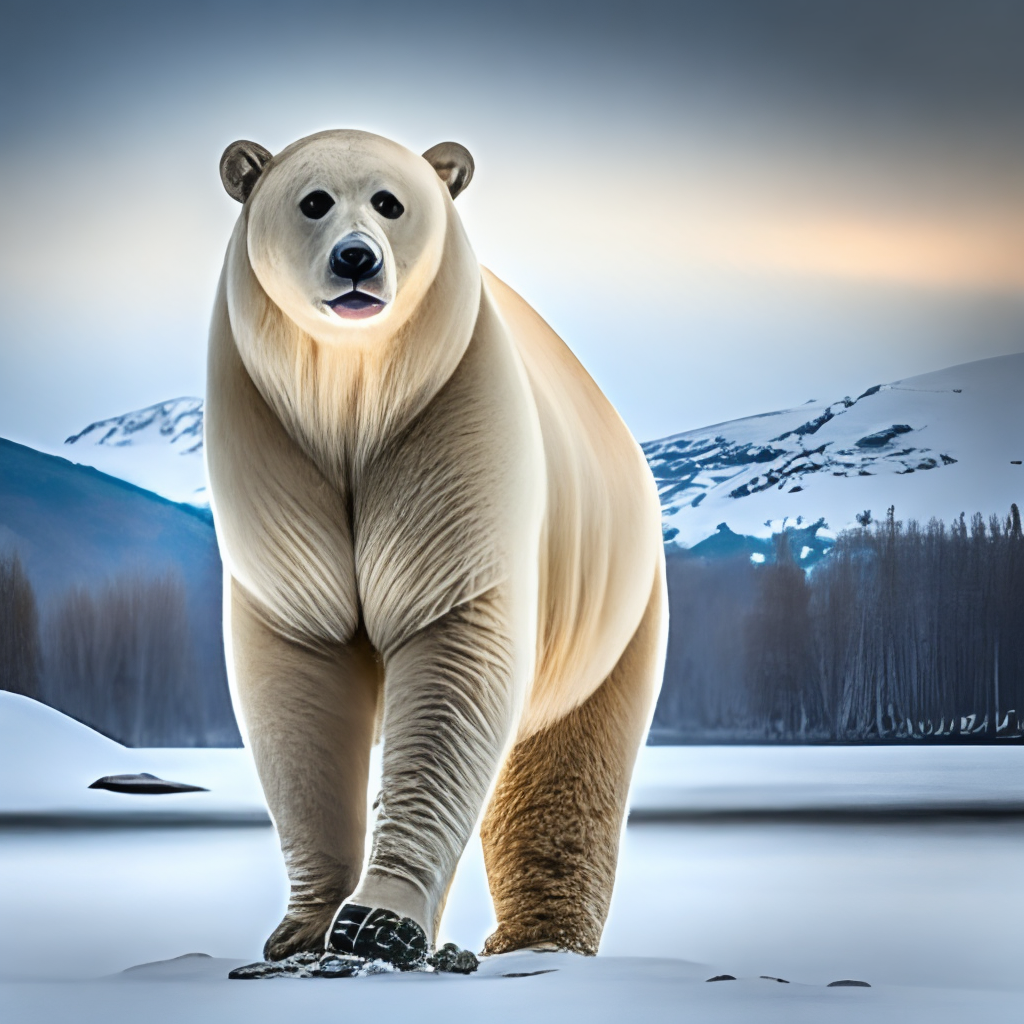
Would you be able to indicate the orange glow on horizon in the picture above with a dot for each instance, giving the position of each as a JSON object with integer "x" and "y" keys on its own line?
{"x": 943, "y": 255}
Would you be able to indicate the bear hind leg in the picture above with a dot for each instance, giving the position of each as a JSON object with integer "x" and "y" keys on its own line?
{"x": 551, "y": 833}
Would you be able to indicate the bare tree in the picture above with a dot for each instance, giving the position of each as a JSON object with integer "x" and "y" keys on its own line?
{"x": 20, "y": 659}
{"x": 120, "y": 660}
{"x": 781, "y": 669}
{"x": 901, "y": 633}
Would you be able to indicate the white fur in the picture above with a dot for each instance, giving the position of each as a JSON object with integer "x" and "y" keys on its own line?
{"x": 442, "y": 480}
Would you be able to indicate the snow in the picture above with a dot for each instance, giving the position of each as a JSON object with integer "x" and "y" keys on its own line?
{"x": 159, "y": 448}
{"x": 48, "y": 761}
{"x": 929, "y": 915}
{"x": 964, "y": 435}
{"x": 576, "y": 989}
{"x": 725, "y": 868}
{"x": 610, "y": 989}
{"x": 676, "y": 781}
{"x": 929, "y": 902}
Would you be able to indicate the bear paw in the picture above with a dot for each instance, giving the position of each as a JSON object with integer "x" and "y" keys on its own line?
{"x": 541, "y": 939}
{"x": 299, "y": 932}
{"x": 378, "y": 934}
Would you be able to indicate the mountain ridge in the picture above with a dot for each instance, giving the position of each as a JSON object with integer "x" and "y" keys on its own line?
{"x": 741, "y": 472}
{"x": 839, "y": 459}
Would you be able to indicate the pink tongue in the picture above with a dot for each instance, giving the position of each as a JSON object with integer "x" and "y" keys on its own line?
{"x": 356, "y": 311}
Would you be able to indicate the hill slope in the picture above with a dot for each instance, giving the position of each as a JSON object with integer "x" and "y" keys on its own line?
{"x": 74, "y": 527}
{"x": 933, "y": 445}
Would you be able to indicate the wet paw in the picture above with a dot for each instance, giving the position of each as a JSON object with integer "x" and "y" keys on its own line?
{"x": 378, "y": 934}
{"x": 311, "y": 965}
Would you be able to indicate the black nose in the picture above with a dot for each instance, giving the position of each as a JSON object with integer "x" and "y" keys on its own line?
{"x": 354, "y": 257}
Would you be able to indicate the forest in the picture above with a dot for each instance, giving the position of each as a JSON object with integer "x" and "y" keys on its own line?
{"x": 118, "y": 658}
{"x": 902, "y": 633}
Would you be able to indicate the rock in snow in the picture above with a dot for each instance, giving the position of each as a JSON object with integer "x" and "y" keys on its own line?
{"x": 449, "y": 959}
{"x": 144, "y": 783}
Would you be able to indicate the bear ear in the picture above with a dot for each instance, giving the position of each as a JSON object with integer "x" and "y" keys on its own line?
{"x": 241, "y": 166}
{"x": 453, "y": 164}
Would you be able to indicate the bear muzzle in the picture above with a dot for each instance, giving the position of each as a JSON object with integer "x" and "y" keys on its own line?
{"x": 357, "y": 257}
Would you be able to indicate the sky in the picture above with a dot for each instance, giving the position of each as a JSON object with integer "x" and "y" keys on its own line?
{"x": 723, "y": 206}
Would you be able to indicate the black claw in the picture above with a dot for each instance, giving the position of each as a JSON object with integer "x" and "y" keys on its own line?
{"x": 347, "y": 925}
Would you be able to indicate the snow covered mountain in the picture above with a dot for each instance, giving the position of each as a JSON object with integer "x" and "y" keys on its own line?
{"x": 159, "y": 448}
{"x": 933, "y": 445}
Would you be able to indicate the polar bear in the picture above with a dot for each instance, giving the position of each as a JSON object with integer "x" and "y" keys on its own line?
{"x": 437, "y": 531}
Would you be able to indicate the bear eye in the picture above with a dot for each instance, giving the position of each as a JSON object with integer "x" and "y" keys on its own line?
{"x": 387, "y": 205}
{"x": 316, "y": 204}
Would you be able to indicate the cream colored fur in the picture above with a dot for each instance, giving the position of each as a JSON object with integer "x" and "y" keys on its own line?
{"x": 433, "y": 524}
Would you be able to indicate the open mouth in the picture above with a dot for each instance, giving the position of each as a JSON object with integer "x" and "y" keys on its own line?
{"x": 356, "y": 305}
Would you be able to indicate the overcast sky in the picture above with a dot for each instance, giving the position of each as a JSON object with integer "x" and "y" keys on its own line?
{"x": 724, "y": 207}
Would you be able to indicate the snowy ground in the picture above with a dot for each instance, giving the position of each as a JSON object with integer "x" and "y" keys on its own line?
{"x": 930, "y": 913}
{"x": 927, "y": 909}
{"x": 47, "y": 762}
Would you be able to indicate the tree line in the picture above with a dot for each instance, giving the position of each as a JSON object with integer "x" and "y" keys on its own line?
{"x": 901, "y": 633}
{"x": 118, "y": 658}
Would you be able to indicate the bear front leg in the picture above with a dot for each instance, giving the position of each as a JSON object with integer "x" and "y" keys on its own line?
{"x": 309, "y": 714}
{"x": 450, "y": 697}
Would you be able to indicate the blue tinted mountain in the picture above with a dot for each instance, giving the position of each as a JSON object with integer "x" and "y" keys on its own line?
{"x": 105, "y": 557}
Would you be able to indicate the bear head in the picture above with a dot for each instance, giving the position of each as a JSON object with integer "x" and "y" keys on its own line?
{"x": 345, "y": 230}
